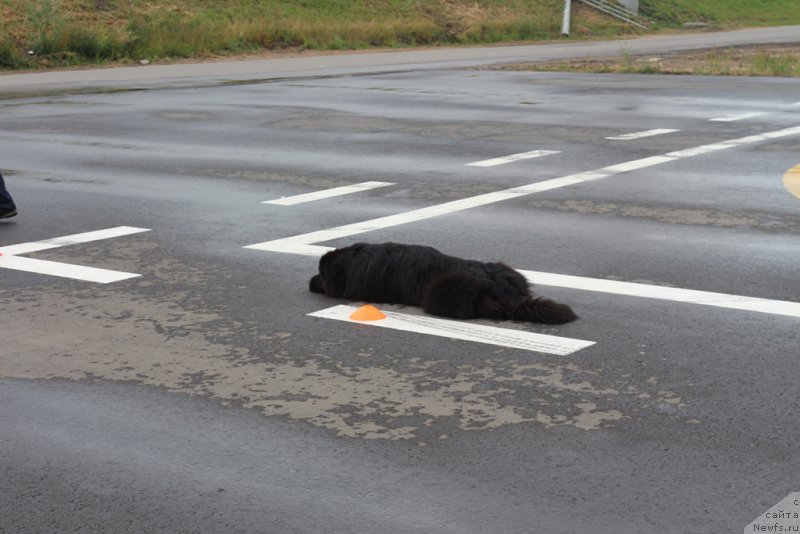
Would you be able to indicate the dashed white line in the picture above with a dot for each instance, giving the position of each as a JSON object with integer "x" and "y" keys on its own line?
{"x": 639, "y": 135}
{"x": 674, "y": 294}
{"x": 492, "y": 335}
{"x": 512, "y": 158}
{"x": 328, "y": 193}
{"x": 741, "y": 116}
{"x": 305, "y": 243}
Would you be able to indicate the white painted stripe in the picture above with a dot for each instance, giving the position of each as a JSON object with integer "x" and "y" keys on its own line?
{"x": 741, "y": 116}
{"x": 9, "y": 258}
{"x": 689, "y": 296}
{"x": 639, "y": 164}
{"x": 64, "y": 270}
{"x": 300, "y": 244}
{"x": 56, "y": 242}
{"x": 492, "y": 335}
{"x": 328, "y": 193}
{"x": 290, "y": 245}
{"x": 513, "y": 157}
{"x": 639, "y": 135}
{"x": 305, "y": 243}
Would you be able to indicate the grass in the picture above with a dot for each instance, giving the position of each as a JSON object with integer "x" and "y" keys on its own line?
{"x": 721, "y": 13}
{"x": 46, "y": 33}
{"x": 58, "y": 32}
{"x": 736, "y": 61}
{"x": 776, "y": 64}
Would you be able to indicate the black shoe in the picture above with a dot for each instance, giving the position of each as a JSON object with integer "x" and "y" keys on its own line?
{"x": 8, "y": 214}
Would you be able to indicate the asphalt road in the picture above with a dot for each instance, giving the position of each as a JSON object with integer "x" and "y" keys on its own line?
{"x": 200, "y": 396}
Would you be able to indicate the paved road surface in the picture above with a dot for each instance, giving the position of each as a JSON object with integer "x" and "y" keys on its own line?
{"x": 200, "y": 396}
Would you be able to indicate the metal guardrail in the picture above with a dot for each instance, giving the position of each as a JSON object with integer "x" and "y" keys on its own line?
{"x": 617, "y": 11}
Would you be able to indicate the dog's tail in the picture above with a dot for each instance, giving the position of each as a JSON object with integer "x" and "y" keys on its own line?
{"x": 462, "y": 296}
{"x": 540, "y": 310}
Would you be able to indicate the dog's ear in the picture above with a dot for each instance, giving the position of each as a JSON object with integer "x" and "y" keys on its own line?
{"x": 333, "y": 272}
{"x": 360, "y": 270}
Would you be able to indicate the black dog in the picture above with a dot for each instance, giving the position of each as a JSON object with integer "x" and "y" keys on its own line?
{"x": 442, "y": 285}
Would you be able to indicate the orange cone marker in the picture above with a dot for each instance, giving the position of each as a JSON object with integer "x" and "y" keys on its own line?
{"x": 367, "y": 312}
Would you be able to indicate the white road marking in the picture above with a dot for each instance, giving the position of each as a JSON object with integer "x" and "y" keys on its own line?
{"x": 639, "y": 135}
{"x": 492, "y": 335}
{"x": 9, "y": 258}
{"x": 305, "y": 243}
{"x": 675, "y": 294}
{"x": 513, "y": 157}
{"x": 741, "y": 116}
{"x": 328, "y": 193}
{"x": 56, "y": 242}
{"x": 64, "y": 270}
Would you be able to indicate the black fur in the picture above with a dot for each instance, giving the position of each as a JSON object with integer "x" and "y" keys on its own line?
{"x": 442, "y": 285}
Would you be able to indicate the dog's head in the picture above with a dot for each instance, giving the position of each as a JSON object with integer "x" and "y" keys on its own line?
{"x": 315, "y": 285}
{"x": 331, "y": 279}
{"x": 339, "y": 271}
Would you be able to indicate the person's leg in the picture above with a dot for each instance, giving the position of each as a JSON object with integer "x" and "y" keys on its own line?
{"x": 7, "y": 207}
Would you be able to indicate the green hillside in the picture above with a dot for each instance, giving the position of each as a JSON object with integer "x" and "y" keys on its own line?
{"x": 47, "y": 33}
